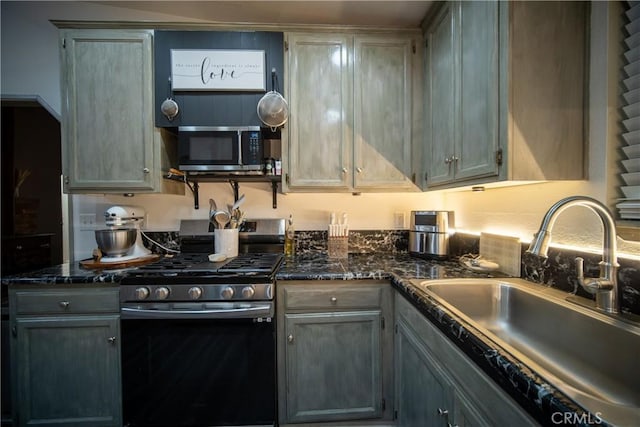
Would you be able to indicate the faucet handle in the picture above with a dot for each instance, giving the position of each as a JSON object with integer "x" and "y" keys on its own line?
{"x": 590, "y": 285}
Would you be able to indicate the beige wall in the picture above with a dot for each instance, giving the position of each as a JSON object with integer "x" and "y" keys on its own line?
{"x": 514, "y": 211}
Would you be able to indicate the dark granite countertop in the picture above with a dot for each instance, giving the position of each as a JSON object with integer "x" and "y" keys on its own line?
{"x": 68, "y": 273}
{"x": 531, "y": 391}
{"x": 540, "y": 399}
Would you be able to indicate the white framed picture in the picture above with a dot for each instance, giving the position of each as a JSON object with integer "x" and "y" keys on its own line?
{"x": 215, "y": 69}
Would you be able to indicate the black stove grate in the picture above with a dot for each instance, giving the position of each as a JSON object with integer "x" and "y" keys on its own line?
{"x": 264, "y": 262}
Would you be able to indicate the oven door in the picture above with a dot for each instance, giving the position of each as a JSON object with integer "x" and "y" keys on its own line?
{"x": 214, "y": 368}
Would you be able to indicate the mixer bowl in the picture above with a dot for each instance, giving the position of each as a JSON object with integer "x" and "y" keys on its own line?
{"x": 116, "y": 242}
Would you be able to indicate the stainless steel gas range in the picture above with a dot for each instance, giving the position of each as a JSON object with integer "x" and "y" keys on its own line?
{"x": 198, "y": 339}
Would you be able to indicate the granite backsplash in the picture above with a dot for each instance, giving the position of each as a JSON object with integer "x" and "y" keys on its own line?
{"x": 557, "y": 271}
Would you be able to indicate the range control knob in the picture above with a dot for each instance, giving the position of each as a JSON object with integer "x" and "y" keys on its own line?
{"x": 227, "y": 292}
{"x": 162, "y": 292}
{"x": 247, "y": 292}
{"x": 141, "y": 293}
{"x": 195, "y": 292}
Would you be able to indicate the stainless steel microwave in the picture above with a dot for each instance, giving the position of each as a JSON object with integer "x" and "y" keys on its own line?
{"x": 231, "y": 149}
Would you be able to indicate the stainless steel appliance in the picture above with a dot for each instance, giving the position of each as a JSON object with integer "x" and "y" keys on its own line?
{"x": 198, "y": 338}
{"x": 429, "y": 233}
{"x": 225, "y": 149}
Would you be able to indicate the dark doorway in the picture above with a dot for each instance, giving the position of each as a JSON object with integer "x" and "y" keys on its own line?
{"x": 31, "y": 193}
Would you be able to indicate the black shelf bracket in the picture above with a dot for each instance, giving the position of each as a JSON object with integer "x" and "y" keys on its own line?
{"x": 192, "y": 181}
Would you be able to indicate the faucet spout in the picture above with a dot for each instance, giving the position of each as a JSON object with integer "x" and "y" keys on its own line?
{"x": 606, "y": 286}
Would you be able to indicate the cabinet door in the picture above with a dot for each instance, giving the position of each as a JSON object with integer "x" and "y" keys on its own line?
{"x": 476, "y": 141}
{"x": 382, "y": 111}
{"x": 422, "y": 394}
{"x": 68, "y": 371}
{"x": 333, "y": 366}
{"x": 320, "y": 129}
{"x": 440, "y": 96}
{"x": 108, "y": 132}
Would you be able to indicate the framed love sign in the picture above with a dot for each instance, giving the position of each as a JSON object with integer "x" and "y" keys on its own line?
{"x": 214, "y": 69}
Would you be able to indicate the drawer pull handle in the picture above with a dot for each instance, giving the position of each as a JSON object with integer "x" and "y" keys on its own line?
{"x": 111, "y": 340}
{"x": 443, "y": 412}
{"x": 64, "y": 304}
{"x": 290, "y": 338}
{"x": 334, "y": 300}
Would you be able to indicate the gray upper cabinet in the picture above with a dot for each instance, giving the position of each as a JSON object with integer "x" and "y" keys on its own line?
{"x": 352, "y": 119}
{"x": 108, "y": 135}
{"x": 65, "y": 356}
{"x": 504, "y": 93}
{"x": 382, "y": 111}
{"x": 319, "y": 138}
{"x": 439, "y": 89}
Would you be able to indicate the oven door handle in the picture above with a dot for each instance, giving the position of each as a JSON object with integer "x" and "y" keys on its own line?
{"x": 259, "y": 311}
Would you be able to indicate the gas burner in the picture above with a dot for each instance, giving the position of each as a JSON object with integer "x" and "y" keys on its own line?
{"x": 258, "y": 263}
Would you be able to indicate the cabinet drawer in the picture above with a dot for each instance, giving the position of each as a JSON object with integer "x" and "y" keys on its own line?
{"x": 303, "y": 298}
{"x": 67, "y": 301}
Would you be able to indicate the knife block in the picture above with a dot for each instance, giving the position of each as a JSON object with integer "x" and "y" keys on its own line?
{"x": 338, "y": 247}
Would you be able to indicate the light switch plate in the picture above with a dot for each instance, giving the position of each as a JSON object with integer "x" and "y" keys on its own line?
{"x": 398, "y": 220}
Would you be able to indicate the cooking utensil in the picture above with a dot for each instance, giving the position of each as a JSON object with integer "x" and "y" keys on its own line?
{"x": 238, "y": 203}
{"x": 212, "y": 210}
{"x": 116, "y": 242}
{"x": 273, "y": 109}
{"x": 222, "y": 218}
{"x": 169, "y": 107}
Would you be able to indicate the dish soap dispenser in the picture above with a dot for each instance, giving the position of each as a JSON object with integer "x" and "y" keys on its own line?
{"x": 289, "y": 238}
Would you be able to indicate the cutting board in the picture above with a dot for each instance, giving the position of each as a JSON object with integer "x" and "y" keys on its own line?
{"x": 90, "y": 263}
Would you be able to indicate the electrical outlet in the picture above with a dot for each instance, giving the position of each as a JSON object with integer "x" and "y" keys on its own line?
{"x": 398, "y": 220}
{"x": 87, "y": 221}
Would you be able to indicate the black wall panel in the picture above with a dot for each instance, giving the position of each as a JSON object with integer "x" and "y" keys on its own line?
{"x": 211, "y": 108}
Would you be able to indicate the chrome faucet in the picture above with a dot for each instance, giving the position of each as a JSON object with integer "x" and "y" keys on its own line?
{"x": 606, "y": 286}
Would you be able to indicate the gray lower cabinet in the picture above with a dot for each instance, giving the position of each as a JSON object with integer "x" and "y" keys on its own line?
{"x": 65, "y": 356}
{"x": 334, "y": 351}
{"x": 437, "y": 385}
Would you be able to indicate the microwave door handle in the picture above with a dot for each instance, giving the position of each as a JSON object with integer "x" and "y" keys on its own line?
{"x": 240, "y": 159}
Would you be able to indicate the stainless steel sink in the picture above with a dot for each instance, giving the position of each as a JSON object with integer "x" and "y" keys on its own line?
{"x": 591, "y": 357}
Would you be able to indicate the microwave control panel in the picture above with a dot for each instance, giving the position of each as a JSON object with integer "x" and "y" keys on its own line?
{"x": 253, "y": 156}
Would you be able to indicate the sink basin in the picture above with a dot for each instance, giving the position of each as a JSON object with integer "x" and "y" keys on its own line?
{"x": 592, "y": 358}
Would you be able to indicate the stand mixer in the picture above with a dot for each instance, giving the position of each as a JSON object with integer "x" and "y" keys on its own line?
{"x": 126, "y": 217}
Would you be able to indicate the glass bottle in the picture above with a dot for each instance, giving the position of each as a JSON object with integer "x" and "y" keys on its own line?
{"x": 289, "y": 238}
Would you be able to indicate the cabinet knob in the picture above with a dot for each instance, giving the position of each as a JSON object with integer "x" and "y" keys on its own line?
{"x": 145, "y": 170}
{"x": 359, "y": 170}
{"x": 290, "y": 338}
{"x": 448, "y": 160}
{"x": 443, "y": 412}
{"x": 64, "y": 304}
{"x": 333, "y": 300}
{"x": 345, "y": 170}
{"x": 111, "y": 340}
